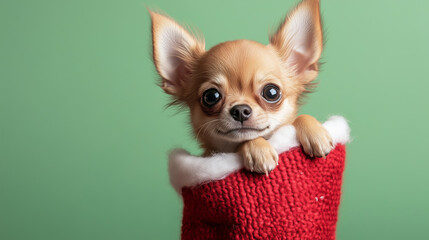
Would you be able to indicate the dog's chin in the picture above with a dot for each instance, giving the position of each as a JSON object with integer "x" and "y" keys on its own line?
{"x": 242, "y": 134}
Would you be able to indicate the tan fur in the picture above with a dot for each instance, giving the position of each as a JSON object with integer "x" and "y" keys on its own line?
{"x": 313, "y": 137}
{"x": 239, "y": 70}
{"x": 259, "y": 156}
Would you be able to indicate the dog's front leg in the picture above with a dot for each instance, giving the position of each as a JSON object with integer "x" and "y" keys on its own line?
{"x": 313, "y": 137}
{"x": 258, "y": 155}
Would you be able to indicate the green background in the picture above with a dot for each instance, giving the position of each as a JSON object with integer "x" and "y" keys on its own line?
{"x": 84, "y": 134}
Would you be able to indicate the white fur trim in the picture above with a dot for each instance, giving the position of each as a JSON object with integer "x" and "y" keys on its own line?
{"x": 187, "y": 170}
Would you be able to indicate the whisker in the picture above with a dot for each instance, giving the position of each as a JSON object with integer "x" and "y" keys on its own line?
{"x": 205, "y": 126}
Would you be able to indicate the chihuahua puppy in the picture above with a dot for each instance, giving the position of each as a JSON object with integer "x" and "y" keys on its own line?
{"x": 239, "y": 92}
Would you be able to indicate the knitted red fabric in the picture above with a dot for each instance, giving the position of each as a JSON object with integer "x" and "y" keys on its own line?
{"x": 298, "y": 200}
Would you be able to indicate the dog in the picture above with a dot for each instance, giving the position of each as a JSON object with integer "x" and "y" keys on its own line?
{"x": 239, "y": 92}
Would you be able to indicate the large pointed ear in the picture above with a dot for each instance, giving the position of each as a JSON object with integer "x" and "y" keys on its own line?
{"x": 299, "y": 40}
{"x": 174, "y": 51}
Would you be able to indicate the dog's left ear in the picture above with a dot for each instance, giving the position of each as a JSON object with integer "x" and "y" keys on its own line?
{"x": 299, "y": 40}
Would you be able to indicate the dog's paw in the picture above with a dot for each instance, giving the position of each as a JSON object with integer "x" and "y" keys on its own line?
{"x": 315, "y": 140}
{"x": 258, "y": 156}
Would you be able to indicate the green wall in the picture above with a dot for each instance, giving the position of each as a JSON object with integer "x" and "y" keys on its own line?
{"x": 84, "y": 135}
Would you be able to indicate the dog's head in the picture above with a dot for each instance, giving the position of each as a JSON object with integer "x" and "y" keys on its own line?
{"x": 239, "y": 90}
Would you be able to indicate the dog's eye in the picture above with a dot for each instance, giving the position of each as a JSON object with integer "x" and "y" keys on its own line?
{"x": 211, "y": 97}
{"x": 271, "y": 93}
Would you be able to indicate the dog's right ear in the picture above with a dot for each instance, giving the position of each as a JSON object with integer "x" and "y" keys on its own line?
{"x": 174, "y": 51}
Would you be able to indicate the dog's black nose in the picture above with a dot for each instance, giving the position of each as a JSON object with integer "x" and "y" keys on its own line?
{"x": 241, "y": 112}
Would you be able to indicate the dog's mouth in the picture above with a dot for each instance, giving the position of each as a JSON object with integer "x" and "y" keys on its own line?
{"x": 242, "y": 130}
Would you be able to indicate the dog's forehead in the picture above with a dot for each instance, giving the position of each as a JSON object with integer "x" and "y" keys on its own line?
{"x": 241, "y": 61}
